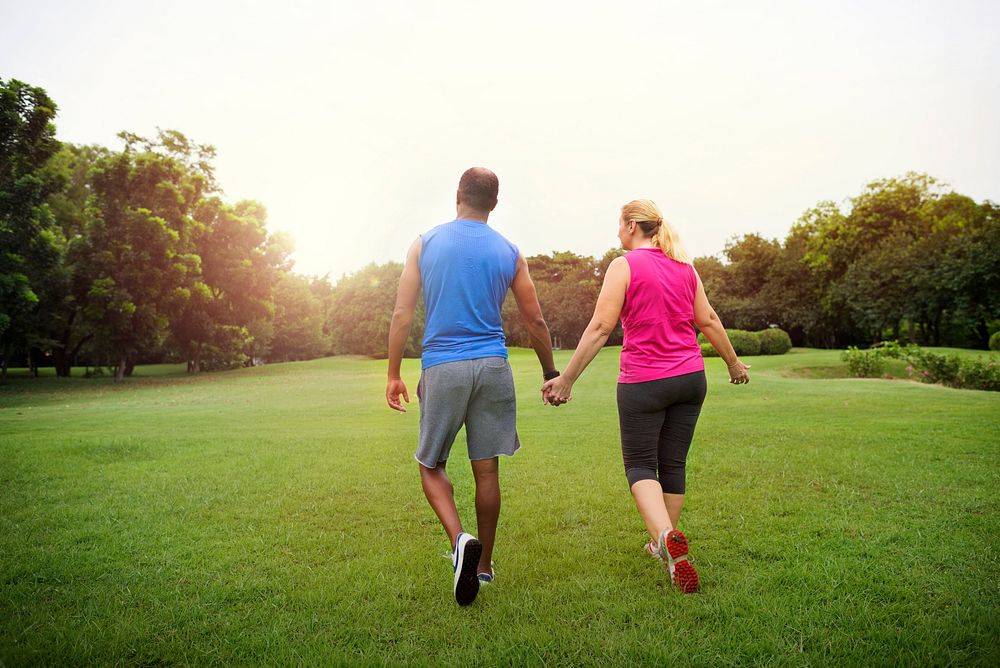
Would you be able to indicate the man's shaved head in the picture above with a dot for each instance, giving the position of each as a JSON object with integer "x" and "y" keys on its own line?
{"x": 478, "y": 189}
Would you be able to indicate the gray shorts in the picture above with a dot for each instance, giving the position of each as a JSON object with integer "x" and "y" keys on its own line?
{"x": 478, "y": 393}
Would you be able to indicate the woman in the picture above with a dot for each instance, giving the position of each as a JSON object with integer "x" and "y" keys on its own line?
{"x": 659, "y": 297}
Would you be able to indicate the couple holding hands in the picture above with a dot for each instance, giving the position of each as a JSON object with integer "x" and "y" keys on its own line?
{"x": 464, "y": 269}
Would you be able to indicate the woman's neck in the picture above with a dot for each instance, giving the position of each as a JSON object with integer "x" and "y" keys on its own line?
{"x": 642, "y": 243}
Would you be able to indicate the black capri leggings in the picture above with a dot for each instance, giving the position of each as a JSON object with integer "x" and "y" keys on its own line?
{"x": 657, "y": 420}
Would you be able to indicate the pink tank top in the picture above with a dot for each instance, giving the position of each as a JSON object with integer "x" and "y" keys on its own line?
{"x": 658, "y": 318}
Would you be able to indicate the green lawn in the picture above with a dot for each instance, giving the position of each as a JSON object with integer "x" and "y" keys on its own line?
{"x": 274, "y": 515}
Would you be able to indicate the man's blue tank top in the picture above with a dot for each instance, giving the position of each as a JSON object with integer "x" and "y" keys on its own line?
{"x": 466, "y": 268}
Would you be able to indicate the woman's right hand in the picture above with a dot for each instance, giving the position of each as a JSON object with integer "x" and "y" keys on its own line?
{"x": 738, "y": 373}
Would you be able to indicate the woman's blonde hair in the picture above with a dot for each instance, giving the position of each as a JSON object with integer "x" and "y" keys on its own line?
{"x": 663, "y": 235}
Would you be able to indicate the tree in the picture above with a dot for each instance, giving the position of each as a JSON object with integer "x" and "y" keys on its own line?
{"x": 298, "y": 320}
{"x": 231, "y": 288}
{"x": 715, "y": 278}
{"x": 795, "y": 294}
{"x": 63, "y": 297}
{"x": 139, "y": 242}
{"x": 361, "y": 308}
{"x": 749, "y": 271}
{"x": 567, "y": 286}
{"x": 958, "y": 264}
{"x": 28, "y": 249}
{"x": 877, "y": 287}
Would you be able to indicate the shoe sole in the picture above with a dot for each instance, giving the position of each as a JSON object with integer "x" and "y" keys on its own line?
{"x": 684, "y": 577}
{"x": 466, "y": 578}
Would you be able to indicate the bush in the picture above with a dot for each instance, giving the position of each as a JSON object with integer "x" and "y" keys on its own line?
{"x": 744, "y": 343}
{"x": 927, "y": 367}
{"x": 932, "y": 368}
{"x": 708, "y": 350}
{"x": 995, "y": 341}
{"x": 892, "y": 350}
{"x": 864, "y": 363}
{"x": 774, "y": 341}
{"x": 974, "y": 374}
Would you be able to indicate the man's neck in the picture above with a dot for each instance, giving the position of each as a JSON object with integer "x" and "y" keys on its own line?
{"x": 465, "y": 213}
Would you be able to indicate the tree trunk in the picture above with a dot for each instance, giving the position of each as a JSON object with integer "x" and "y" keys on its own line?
{"x": 129, "y": 366}
{"x": 4, "y": 356}
{"x": 33, "y": 354}
{"x": 67, "y": 367}
{"x": 62, "y": 358}
{"x": 196, "y": 362}
{"x": 913, "y": 332}
{"x": 60, "y": 362}
{"x": 983, "y": 332}
{"x": 120, "y": 369}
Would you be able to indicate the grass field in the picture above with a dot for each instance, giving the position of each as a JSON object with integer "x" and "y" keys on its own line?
{"x": 274, "y": 516}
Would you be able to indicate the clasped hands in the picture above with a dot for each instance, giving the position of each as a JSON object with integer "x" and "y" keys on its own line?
{"x": 557, "y": 391}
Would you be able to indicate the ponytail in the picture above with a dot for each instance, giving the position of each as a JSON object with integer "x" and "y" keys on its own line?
{"x": 662, "y": 234}
{"x": 668, "y": 241}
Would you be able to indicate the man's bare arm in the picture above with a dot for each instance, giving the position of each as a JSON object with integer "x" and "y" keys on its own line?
{"x": 399, "y": 329}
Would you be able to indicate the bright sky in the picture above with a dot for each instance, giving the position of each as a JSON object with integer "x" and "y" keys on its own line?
{"x": 352, "y": 121}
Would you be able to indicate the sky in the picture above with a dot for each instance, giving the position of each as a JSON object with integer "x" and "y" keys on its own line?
{"x": 352, "y": 121}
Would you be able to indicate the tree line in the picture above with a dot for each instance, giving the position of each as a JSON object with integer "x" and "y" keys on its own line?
{"x": 109, "y": 257}
{"x": 907, "y": 260}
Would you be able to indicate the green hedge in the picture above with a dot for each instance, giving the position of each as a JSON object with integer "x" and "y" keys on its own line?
{"x": 967, "y": 373}
{"x": 772, "y": 341}
{"x": 995, "y": 341}
{"x": 744, "y": 342}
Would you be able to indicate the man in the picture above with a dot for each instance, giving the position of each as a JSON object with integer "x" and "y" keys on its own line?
{"x": 465, "y": 269}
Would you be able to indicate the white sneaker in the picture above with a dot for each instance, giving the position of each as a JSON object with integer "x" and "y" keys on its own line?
{"x": 465, "y": 560}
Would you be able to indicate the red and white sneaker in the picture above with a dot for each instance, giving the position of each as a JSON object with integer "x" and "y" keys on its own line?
{"x": 673, "y": 550}
{"x": 653, "y": 550}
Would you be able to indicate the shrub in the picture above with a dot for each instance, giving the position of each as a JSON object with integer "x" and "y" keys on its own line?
{"x": 774, "y": 341}
{"x": 892, "y": 350}
{"x": 927, "y": 367}
{"x": 933, "y": 368}
{"x": 744, "y": 343}
{"x": 975, "y": 374}
{"x": 864, "y": 363}
{"x": 995, "y": 341}
{"x": 708, "y": 350}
